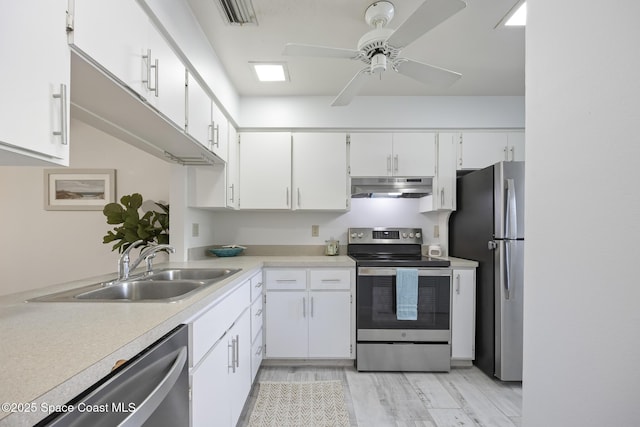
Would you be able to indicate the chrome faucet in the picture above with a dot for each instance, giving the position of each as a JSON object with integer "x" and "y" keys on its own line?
{"x": 150, "y": 253}
{"x": 125, "y": 265}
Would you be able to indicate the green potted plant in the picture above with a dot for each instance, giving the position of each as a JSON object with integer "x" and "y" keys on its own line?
{"x": 151, "y": 227}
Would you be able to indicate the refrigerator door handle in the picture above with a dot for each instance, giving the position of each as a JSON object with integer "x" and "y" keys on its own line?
{"x": 511, "y": 220}
{"x": 507, "y": 268}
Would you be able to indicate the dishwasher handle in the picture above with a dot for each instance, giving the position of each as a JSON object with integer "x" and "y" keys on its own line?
{"x": 155, "y": 398}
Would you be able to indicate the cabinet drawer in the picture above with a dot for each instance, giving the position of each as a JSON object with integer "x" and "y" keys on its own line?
{"x": 212, "y": 324}
{"x": 257, "y": 317}
{"x": 256, "y": 356}
{"x": 286, "y": 279}
{"x": 256, "y": 286}
{"x": 330, "y": 279}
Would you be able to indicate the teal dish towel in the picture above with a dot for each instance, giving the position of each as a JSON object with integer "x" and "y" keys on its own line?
{"x": 407, "y": 294}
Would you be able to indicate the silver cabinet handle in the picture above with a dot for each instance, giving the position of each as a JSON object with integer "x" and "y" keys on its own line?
{"x": 304, "y": 307}
{"x": 237, "y": 351}
{"x": 442, "y": 197}
{"x": 233, "y": 192}
{"x": 259, "y": 285}
{"x": 506, "y": 155}
{"x": 458, "y": 284}
{"x": 395, "y": 163}
{"x": 513, "y": 154}
{"x": 63, "y": 114}
{"x": 258, "y": 313}
{"x": 311, "y": 306}
{"x": 460, "y": 156}
{"x": 298, "y": 196}
{"x": 210, "y": 135}
{"x": 330, "y": 280}
{"x": 389, "y": 163}
{"x": 159, "y": 393}
{"x": 232, "y": 346}
{"x": 155, "y": 67}
{"x": 259, "y": 352}
{"x": 215, "y": 135}
{"x": 287, "y": 196}
{"x": 286, "y": 280}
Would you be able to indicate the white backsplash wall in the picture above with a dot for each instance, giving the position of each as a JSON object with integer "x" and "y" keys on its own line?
{"x": 41, "y": 248}
{"x": 294, "y": 228}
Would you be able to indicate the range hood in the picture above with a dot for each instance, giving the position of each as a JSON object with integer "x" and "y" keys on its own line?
{"x": 391, "y": 187}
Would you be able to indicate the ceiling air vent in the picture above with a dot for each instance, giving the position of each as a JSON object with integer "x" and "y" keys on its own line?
{"x": 237, "y": 12}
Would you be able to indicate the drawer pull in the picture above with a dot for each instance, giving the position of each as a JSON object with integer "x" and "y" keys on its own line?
{"x": 259, "y": 352}
{"x": 258, "y": 285}
{"x": 259, "y": 312}
{"x": 286, "y": 280}
{"x": 331, "y": 280}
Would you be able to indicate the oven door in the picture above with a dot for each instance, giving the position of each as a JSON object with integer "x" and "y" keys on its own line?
{"x": 376, "y": 317}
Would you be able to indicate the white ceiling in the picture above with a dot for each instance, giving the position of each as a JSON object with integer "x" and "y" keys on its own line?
{"x": 491, "y": 60}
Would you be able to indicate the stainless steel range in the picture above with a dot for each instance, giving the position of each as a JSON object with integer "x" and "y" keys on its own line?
{"x": 385, "y": 341}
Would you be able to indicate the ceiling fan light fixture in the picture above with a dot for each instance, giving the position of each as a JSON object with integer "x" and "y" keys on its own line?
{"x": 270, "y": 71}
{"x": 378, "y": 63}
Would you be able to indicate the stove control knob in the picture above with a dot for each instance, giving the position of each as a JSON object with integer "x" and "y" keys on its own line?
{"x": 360, "y": 235}
{"x": 404, "y": 235}
{"x": 353, "y": 235}
{"x": 411, "y": 235}
{"x": 418, "y": 235}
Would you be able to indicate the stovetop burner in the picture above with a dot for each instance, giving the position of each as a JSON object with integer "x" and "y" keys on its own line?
{"x": 389, "y": 247}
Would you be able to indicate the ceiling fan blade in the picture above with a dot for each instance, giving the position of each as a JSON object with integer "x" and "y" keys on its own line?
{"x": 425, "y": 73}
{"x": 427, "y": 16}
{"x": 352, "y": 88}
{"x": 293, "y": 49}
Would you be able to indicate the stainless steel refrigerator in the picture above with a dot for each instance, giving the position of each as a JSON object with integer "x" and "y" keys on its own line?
{"x": 488, "y": 227}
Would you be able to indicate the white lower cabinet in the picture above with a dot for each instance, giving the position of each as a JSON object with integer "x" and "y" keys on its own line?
{"x": 221, "y": 359}
{"x": 309, "y": 313}
{"x": 463, "y": 314}
{"x": 257, "y": 320}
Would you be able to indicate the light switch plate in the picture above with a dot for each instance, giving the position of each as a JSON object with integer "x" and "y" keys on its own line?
{"x": 315, "y": 230}
{"x": 195, "y": 229}
{"x": 436, "y": 231}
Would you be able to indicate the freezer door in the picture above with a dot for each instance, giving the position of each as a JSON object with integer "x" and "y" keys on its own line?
{"x": 509, "y": 309}
{"x": 509, "y": 200}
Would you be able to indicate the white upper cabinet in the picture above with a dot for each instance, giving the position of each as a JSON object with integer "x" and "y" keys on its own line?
{"x": 35, "y": 83}
{"x": 219, "y": 132}
{"x": 414, "y": 154}
{"x": 265, "y": 170}
{"x": 233, "y": 167}
{"x": 477, "y": 150}
{"x": 165, "y": 76}
{"x": 114, "y": 34}
{"x": 444, "y": 183}
{"x": 392, "y": 154}
{"x": 199, "y": 123}
{"x": 320, "y": 171}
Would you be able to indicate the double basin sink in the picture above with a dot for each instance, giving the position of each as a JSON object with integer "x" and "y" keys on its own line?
{"x": 165, "y": 285}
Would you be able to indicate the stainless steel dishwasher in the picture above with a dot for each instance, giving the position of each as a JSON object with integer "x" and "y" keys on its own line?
{"x": 151, "y": 389}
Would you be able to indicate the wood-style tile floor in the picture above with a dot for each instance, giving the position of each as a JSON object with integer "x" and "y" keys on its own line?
{"x": 462, "y": 397}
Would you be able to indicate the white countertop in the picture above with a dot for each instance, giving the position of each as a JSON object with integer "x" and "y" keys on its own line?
{"x": 52, "y": 351}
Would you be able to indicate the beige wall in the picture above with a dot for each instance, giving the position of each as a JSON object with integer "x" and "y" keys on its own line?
{"x": 39, "y": 247}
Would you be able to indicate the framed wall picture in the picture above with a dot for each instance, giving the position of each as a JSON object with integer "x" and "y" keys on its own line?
{"x": 78, "y": 189}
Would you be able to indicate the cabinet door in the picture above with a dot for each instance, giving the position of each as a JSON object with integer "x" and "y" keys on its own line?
{"x": 414, "y": 154}
{"x": 516, "y": 145}
{"x": 233, "y": 176}
{"x": 210, "y": 400}
{"x": 463, "y": 314}
{"x": 286, "y": 324}
{"x": 240, "y": 376}
{"x": 207, "y": 186}
{"x": 114, "y": 34}
{"x": 265, "y": 170}
{"x": 370, "y": 154}
{"x": 329, "y": 320}
{"x": 481, "y": 149}
{"x": 198, "y": 113}
{"x": 166, "y": 80}
{"x": 220, "y": 132}
{"x": 444, "y": 184}
{"x": 36, "y": 70}
{"x": 320, "y": 171}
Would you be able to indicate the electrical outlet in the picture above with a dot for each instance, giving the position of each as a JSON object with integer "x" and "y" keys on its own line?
{"x": 195, "y": 229}
{"x": 315, "y": 230}
{"x": 436, "y": 231}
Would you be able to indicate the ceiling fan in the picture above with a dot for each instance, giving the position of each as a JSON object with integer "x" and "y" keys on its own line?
{"x": 380, "y": 47}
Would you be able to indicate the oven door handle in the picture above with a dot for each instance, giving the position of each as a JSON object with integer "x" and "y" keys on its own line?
{"x": 377, "y": 271}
